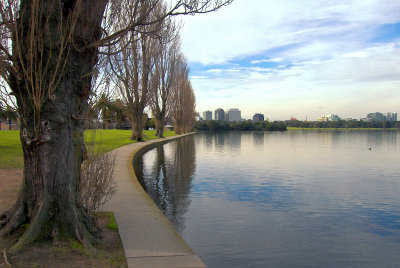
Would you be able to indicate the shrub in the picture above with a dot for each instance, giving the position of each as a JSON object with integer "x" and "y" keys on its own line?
{"x": 97, "y": 182}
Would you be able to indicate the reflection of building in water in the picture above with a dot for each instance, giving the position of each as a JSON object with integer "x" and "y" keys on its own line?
{"x": 207, "y": 140}
{"x": 168, "y": 180}
{"x": 234, "y": 141}
{"x": 258, "y": 138}
{"x": 221, "y": 139}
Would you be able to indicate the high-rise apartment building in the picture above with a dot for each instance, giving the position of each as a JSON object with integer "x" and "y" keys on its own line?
{"x": 219, "y": 114}
{"x": 382, "y": 117}
{"x": 207, "y": 115}
{"x": 227, "y": 116}
{"x": 376, "y": 116}
{"x": 234, "y": 115}
{"x": 391, "y": 117}
{"x": 258, "y": 118}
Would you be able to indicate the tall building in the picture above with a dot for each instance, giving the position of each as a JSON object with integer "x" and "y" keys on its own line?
{"x": 376, "y": 116}
{"x": 227, "y": 115}
{"x": 392, "y": 117}
{"x": 207, "y": 115}
{"x": 382, "y": 117}
{"x": 258, "y": 118}
{"x": 234, "y": 115}
{"x": 219, "y": 114}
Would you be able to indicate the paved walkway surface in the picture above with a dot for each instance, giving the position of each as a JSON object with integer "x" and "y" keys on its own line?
{"x": 148, "y": 237}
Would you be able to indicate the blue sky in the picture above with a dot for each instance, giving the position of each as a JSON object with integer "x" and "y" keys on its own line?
{"x": 300, "y": 58}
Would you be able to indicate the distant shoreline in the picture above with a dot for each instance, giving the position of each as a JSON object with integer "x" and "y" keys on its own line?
{"x": 361, "y": 128}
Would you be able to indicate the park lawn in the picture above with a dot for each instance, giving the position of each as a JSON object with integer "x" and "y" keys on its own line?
{"x": 11, "y": 155}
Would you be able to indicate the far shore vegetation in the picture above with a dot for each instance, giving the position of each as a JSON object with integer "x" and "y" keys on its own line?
{"x": 213, "y": 125}
{"x": 339, "y": 128}
{"x": 248, "y": 125}
{"x": 342, "y": 124}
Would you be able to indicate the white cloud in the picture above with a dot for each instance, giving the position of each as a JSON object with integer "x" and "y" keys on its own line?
{"x": 266, "y": 60}
{"x": 250, "y": 27}
{"x": 322, "y": 49}
{"x": 346, "y": 85}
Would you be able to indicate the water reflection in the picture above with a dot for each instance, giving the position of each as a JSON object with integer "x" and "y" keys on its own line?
{"x": 258, "y": 139}
{"x": 294, "y": 199}
{"x": 167, "y": 180}
{"x": 226, "y": 142}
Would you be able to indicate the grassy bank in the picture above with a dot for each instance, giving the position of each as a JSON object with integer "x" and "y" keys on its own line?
{"x": 11, "y": 155}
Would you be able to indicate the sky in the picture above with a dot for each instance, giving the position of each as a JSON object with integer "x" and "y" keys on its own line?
{"x": 300, "y": 58}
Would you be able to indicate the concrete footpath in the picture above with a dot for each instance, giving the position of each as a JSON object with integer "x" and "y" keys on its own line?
{"x": 148, "y": 237}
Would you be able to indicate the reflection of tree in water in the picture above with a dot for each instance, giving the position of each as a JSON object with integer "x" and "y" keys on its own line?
{"x": 169, "y": 181}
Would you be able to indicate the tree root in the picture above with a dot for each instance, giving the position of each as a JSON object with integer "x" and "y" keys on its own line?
{"x": 11, "y": 221}
{"x": 4, "y": 253}
{"x": 83, "y": 232}
{"x": 73, "y": 222}
{"x": 35, "y": 229}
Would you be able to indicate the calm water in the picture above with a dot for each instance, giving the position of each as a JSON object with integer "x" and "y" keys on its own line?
{"x": 294, "y": 199}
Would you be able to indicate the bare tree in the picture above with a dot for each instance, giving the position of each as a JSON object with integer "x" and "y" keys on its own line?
{"x": 189, "y": 114}
{"x": 183, "y": 99}
{"x": 47, "y": 62}
{"x": 131, "y": 63}
{"x": 166, "y": 57}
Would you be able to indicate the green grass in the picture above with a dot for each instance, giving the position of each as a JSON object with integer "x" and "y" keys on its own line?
{"x": 11, "y": 155}
{"x": 112, "y": 224}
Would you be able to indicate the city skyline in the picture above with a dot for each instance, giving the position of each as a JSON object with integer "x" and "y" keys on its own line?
{"x": 296, "y": 58}
{"x": 209, "y": 114}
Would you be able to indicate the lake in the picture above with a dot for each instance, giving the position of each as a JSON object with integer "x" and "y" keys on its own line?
{"x": 281, "y": 199}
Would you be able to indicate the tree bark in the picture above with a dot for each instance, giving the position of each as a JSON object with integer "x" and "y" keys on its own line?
{"x": 51, "y": 136}
{"x": 139, "y": 121}
{"x": 160, "y": 126}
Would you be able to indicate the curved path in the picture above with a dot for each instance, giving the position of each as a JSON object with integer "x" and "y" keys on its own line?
{"x": 148, "y": 238}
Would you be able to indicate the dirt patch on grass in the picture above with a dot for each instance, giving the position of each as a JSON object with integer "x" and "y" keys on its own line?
{"x": 10, "y": 182}
{"x": 109, "y": 251}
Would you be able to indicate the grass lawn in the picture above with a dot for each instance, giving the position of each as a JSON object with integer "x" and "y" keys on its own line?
{"x": 11, "y": 155}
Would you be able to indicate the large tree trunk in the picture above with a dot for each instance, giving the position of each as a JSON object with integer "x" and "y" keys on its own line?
{"x": 139, "y": 121}
{"x": 161, "y": 124}
{"x": 51, "y": 136}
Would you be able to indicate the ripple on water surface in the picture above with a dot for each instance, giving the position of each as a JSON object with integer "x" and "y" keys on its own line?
{"x": 292, "y": 199}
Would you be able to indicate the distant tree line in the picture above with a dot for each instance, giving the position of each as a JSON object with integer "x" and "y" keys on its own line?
{"x": 212, "y": 125}
{"x": 342, "y": 124}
